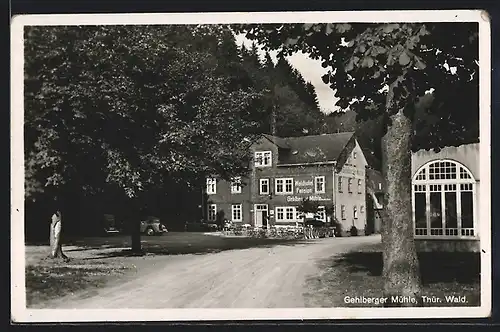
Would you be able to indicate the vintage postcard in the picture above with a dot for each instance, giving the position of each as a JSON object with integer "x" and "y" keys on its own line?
{"x": 250, "y": 166}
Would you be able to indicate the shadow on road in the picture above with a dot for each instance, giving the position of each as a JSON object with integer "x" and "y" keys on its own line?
{"x": 200, "y": 248}
{"x": 435, "y": 267}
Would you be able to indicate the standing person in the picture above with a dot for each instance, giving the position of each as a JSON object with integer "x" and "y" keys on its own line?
{"x": 55, "y": 236}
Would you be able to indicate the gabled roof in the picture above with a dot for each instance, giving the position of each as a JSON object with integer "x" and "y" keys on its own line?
{"x": 373, "y": 179}
{"x": 310, "y": 149}
{"x": 278, "y": 141}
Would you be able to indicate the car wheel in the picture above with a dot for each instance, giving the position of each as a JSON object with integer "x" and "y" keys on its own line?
{"x": 150, "y": 232}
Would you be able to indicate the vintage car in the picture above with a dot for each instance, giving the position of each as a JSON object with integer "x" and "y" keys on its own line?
{"x": 152, "y": 226}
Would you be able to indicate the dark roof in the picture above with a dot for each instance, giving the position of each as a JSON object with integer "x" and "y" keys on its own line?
{"x": 370, "y": 157}
{"x": 373, "y": 178}
{"x": 314, "y": 148}
{"x": 278, "y": 141}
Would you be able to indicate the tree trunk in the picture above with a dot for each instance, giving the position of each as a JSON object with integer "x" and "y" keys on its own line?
{"x": 135, "y": 227}
{"x": 55, "y": 237}
{"x": 402, "y": 284}
{"x": 136, "y": 237}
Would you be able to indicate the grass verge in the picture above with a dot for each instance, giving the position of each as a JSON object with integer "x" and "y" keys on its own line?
{"x": 51, "y": 279}
{"x": 358, "y": 274}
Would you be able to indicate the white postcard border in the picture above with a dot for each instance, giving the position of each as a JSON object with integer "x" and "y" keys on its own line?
{"x": 19, "y": 312}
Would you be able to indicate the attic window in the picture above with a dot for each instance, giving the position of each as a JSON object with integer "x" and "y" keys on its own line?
{"x": 354, "y": 155}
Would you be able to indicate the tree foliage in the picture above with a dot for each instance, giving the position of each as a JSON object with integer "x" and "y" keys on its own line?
{"x": 412, "y": 58}
{"x": 130, "y": 105}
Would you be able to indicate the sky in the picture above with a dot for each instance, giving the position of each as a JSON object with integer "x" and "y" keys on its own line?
{"x": 311, "y": 71}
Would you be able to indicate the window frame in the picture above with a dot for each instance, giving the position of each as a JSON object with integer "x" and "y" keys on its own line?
{"x": 342, "y": 212}
{"x": 268, "y": 182}
{"x": 259, "y": 161}
{"x": 283, "y": 182}
{"x": 349, "y": 185}
{"x": 321, "y": 212}
{"x": 211, "y": 182}
{"x": 360, "y": 185}
{"x": 339, "y": 184}
{"x": 439, "y": 182}
{"x": 215, "y": 212}
{"x": 355, "y": 212}
{"x": 323, "y": 182}
{"x": 236, "y": 189}
{"x": 233, "y": 210}
{"x": 285, "y": 211}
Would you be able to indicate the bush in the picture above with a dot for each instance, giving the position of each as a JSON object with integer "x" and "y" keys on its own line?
{"x": 338, "y": 228}
{"x": 354, "y": 231}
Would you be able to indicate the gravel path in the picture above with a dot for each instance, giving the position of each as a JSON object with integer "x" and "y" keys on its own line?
{"x": 250, "y": 278}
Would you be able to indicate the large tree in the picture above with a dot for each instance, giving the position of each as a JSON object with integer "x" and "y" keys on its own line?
{"x": 383, "y": 70}
{"x": 126, "y": 109}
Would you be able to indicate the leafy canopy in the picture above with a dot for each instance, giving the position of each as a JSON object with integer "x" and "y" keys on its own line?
{"x": 363, "y": 61}
{"x": 129, "y": 106}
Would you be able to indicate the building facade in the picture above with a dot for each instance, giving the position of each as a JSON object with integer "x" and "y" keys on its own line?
{"x": 375, "y": 189}
{"x": 445, "y": 196}
{"x": 327, "y": 169}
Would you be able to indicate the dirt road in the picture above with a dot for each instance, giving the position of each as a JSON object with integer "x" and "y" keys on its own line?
{"x": 250, "y": 278}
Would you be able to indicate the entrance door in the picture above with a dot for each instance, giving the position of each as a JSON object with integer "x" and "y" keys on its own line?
{"x": 260, "y": 214}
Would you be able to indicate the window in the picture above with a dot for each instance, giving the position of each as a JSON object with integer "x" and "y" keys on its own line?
{"x": 212, "y": 212}
{"x": 360, "y": 186}
{"x": 340, "y": 184}
{"x": 211, "y": 186}
{"x": 280, "y": 214}
{"x": 284, "y": 186}
{"x": 319, "y": 184}
{"x": 342, "y": 212}
{"x": 355, "y": 212}
{"x": 236, "y": 212}
{"x": 443, "y": 197}
{"x": 321, "y": 213}
{"x": 264, "y": 186}
{"x": 354, "y": 155}
{"x": 362, "y": 209}
{"x": 263, "y": 158}
{"x": 236, "y": 185}
{"x": 286, "y": 214}
{"x": 349, "y": 185}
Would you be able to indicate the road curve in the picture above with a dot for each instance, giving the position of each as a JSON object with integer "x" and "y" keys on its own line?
{"x": 250, "y": 278}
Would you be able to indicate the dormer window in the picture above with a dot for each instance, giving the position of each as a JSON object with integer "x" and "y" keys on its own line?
{"x": 263, "y": 159}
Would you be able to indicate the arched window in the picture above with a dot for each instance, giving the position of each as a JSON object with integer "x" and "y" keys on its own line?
{"x": 444, "y": 200}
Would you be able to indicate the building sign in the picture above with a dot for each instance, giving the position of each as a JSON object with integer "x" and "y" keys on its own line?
{"x": 311, "y": 198}
{"x": 304, "y": 183}
{"x": 304, "y": 186}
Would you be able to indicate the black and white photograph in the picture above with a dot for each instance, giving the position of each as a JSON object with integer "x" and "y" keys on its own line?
{"x": 250, "y": 166}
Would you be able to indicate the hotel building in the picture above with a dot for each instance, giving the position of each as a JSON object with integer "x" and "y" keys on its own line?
{"x": 328, "y": 169}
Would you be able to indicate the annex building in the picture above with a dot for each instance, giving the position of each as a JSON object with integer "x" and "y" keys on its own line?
{"x": 445, "y": 197}
{"x": 328, "y": 169}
